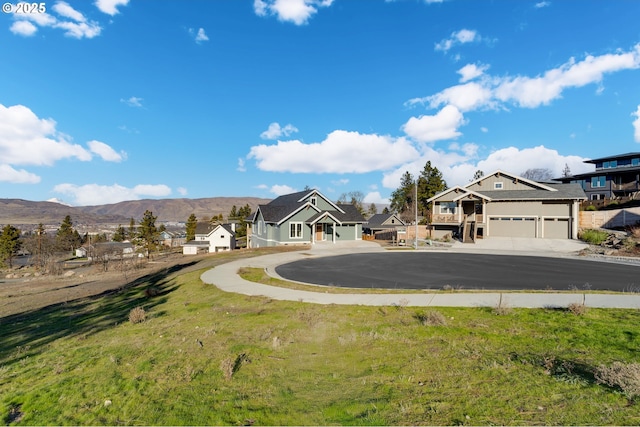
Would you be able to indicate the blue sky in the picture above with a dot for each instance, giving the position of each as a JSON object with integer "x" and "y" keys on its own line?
{"x": 114, "y": 100}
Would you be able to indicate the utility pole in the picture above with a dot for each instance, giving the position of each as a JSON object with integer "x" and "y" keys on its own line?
{"x": 415, "y": 202}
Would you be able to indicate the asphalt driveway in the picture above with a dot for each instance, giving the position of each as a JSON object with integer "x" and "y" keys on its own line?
{"x": 473, "y": 271}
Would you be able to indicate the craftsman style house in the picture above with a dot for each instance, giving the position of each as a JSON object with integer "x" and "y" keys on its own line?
{"x": 303, "y": 217}
{"x": 614, "y": 177}
{"x": 506, "y": 205}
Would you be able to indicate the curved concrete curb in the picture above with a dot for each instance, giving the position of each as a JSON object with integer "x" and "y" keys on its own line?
{"x": 225, "y": 277}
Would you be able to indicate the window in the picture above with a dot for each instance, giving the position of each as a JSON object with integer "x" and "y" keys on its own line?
{"x": 447, "y": 207}
{"x": 295, "y": 230}
{"x": 498, "y": 185}
{"x": 314, "y": 200}
{"x": 598, "y": 181}
{"x": 610, "y": 164}
{"x": 635, "y": 162}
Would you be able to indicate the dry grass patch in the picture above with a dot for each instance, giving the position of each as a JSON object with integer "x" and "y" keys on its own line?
{"x": 137, "y": 315}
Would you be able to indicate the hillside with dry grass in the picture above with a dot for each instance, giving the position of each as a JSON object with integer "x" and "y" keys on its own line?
{"x": 19, "y": 211}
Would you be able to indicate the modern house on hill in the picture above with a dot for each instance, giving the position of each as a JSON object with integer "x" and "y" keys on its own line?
{"x": 614, "y": 177}
{"x": 211, "y": 238}
{"x": 501, "y": 204}
{"x": 303, "y": 217}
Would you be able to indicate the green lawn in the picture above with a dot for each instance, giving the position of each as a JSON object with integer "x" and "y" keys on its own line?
{"x": 205, "y": 357}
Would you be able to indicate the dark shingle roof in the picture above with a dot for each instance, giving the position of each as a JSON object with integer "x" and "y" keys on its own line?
{"x": 206, "y": 227}
{"x": 282, "y": 206}
{"x": 564, "y": 191}
{"x": 379, "y": 219}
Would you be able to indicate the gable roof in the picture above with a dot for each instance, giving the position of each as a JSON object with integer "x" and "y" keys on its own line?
{"x": 381, "y": 219}
{"x": 464, "y": 192}
{"x": 206, "y": 228}
{"x": 547, "y": 191}
{"x": 283, "y": 207}
{"x": 499, "y": 172}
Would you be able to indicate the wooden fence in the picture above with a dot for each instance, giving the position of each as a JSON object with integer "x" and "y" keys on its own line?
{"x": 615, "y": 218}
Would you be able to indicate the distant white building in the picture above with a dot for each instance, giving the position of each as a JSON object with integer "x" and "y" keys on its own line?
{"x": 211, "y": 238}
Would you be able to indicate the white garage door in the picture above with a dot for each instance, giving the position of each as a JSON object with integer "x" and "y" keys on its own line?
{"x": 514, "y": 226}
{"x": 555, "y": 228}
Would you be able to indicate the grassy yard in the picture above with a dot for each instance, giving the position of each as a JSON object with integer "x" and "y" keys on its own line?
{"x": 205, "y": 357}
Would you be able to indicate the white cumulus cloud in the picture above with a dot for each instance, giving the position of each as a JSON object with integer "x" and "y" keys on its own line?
{"x": 95, "y": 194}
{"x": 105, "y": 151}
{"x": 458, "y": 168}
{"x": 133, "y": 101}
{"x": 280, "y": 190}
{"x": 17, "y": 176}
{"x": 340, "y": 152}
{"x": 486, "y": 91}
{"x": 275, "y": 131}
{"x": 110, "y": 7}
{"x": 295, "y": 11}
{"x": 471, "y": 71}
{"x": 68, "y": 19}
{"x": 26, "y": 139}
{"x": 457, "y": 38}
{"x": 442, "y": 126}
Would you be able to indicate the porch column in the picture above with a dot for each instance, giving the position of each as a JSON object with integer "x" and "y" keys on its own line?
{"x": 575, "y": 219}
{"x": 333, "y": 235}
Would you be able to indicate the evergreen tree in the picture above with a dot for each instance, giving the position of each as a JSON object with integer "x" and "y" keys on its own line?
{"x": 67, "y": 238}
{"x": 9, "y": 244}
{"x": 131, "y": 234}
{"x": 373, "y": 209}
{"x": 566, "y": 171}
{"x": 192, "y": 223}
{"x": 430, "y": 183}
{"x": 386, "y": 210}
{"x": 148, "y": 234}
{"x": 120, "y": 235}
{"x": 402, "y": 199}
{"x": 233, "y": 214}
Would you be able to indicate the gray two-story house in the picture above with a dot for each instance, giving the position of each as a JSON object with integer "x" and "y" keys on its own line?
{"x": 302, "y": 218}
{"x": 614, "y": 177}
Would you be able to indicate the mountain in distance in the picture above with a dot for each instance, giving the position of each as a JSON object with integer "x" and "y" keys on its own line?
{"x": 23, "y": 212}
{"x": 175, "y": 209}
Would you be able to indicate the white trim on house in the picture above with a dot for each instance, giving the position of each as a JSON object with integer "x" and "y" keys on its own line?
{"x": 317, "y": 193}
{"x": 500, "y": 172}
{"x": 298, "y": 231}
{"x": 306, "y": 205}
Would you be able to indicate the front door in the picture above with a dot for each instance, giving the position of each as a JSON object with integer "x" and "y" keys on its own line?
{"x": 319, "y": 232}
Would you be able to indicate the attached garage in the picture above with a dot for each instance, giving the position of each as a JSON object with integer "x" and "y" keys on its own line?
{"x": 556, "y": 228}
{"x": 512, "y": 226}
{"x": 506, "y": 205}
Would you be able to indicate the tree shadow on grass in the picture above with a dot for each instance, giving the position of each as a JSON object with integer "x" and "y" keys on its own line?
{"x": 25, "y": 334}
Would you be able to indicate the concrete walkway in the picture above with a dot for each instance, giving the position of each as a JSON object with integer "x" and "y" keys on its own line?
{"x": 226, "y": 278}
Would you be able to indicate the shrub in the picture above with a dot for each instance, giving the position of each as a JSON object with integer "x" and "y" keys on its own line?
{"x": 137, "y": 315}
{"x": 431, "y": 318}
{"x": 590, "y": 208}
{"x": 594, "y": 237}
{"x": 151, "y": 291}
{"x": 577, "y": 308}
{"x": 623, "y": 376}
